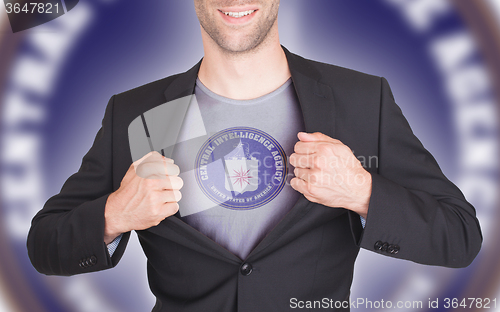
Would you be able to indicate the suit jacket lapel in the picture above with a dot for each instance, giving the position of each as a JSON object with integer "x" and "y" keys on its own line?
{"x": 318, "y": 109}
{"x": 315, "y": 98}
{"x": 183, "y": 85}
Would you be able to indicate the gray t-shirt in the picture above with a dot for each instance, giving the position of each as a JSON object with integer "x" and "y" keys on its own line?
{"x": 237, "y": 182}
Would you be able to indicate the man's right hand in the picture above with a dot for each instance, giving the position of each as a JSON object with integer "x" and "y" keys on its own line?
{"x": 148, "y": 194}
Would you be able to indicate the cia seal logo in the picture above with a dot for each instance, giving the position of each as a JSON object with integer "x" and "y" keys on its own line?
{"x": 241, "y": 168}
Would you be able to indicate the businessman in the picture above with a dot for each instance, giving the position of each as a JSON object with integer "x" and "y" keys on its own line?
{"x": 263, "y": 114}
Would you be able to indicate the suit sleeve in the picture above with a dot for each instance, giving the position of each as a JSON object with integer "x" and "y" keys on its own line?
{"x": 67, "y": 236}
{"x": 415, "y": 212}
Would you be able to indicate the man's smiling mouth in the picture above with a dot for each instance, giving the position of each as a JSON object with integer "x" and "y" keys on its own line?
{"x": 239, "y": 14}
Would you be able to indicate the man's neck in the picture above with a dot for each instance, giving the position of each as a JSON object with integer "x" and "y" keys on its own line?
{"x": 247, "y": 75}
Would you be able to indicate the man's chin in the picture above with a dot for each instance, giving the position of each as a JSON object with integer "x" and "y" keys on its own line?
{"x": 239, "y": 45}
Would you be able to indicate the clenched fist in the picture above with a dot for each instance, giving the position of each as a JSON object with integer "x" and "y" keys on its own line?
{"x": 148, "y": 194}
{"x": 328, "y": 173}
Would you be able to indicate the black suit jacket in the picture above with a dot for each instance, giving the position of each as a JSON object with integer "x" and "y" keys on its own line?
{"x": 415, "y": 212}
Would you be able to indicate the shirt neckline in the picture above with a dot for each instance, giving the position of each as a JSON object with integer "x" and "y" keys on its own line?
{"x": 224, "y": 99}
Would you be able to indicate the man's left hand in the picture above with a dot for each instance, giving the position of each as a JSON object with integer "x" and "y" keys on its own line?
{"x": 328, "y": 173}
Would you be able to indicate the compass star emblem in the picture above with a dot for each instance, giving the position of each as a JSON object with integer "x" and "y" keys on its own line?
{"x": 241, "y": 176}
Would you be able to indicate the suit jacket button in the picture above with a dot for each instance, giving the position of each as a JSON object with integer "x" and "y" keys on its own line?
{"x": 395, "y": 249}
{"x": 390, "y": 249}
{"x": 81, "y": 264}
{"x": 93, "y": 260}
{"x": 378, "y": 245}
{"x": 384, "y": 247}
{"x": 246, "y": 269}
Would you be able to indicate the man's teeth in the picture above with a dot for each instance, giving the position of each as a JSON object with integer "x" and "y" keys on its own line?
{"x": 239, "y": 14}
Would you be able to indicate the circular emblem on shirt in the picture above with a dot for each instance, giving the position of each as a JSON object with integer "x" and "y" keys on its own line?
{"x": 241, "y": 168}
